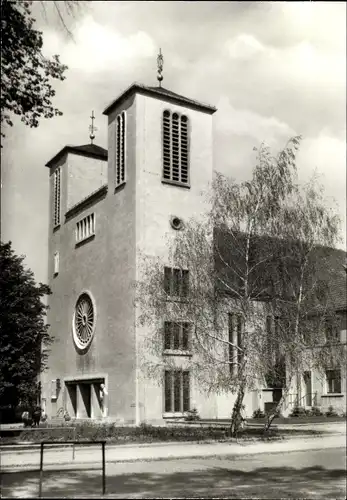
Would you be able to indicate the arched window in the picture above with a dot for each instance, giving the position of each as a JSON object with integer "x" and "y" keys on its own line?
{"x": 120, "y": 148}
{"x": 175, "y": 148}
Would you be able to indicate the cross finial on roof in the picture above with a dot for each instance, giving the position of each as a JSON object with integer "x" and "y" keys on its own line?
{"x": 160, "y": 64}
{"x": 92, "y": 129}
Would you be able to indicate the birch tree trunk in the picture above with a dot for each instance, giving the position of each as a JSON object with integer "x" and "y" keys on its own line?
{"x": 235, "y": 416}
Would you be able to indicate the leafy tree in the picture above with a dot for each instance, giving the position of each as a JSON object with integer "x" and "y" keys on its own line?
{"x": 26, "y": 75}
{"x": 24, "y": 333}
{"x": 303, "y": 276}
{"x": 238, "y": 261}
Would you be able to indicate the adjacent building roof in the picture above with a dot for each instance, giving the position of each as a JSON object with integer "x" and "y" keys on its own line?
{"x": 89, "y": 150}
{"x": 327, "y": 267}
{"x": 162, "y": 93}
{"x": 333, "y": 271}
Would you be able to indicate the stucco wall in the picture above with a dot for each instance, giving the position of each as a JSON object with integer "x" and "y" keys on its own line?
{"x": 105, "y": 266}
{"x": 84, "y": 176}
{"x": 156, "y": 203}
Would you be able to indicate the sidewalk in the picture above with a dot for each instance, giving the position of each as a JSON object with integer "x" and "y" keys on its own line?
{"x": 90, "y": 456}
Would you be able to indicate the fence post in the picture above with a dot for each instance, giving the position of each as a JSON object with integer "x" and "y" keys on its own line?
{"x": 103, "y": 469}
{"x": 41, "y": 470}
{"x": 73, "y": 446}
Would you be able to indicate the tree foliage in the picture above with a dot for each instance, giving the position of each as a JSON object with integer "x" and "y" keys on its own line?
{"x": 253, "y": 255}
{"x": 26, "y": 74}
{"x": 24, "y": 333}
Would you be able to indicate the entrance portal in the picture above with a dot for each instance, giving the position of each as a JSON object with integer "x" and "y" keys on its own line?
{"x": 85, "y": 398}
{"x": 84, "y": 409}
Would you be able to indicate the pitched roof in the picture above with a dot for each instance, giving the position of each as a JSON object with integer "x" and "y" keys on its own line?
{"x": 332, "y": 270}
{"x": 162, "y": 93}
{"x": 89, "y": 150}
{"x": 327, "y": 265}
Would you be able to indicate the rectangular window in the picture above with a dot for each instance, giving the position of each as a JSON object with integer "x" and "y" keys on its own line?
{"x": 85, "y": 228}
{"x": 235, "y": 340}
{"x": 333, "y": 381}
{"x": 177, "y": 391}
{"x": 176, "y": 336}
{"x": 176, "y": 282}
{"x": 120, "y": 148}
{"x": 56, "y": 197}
{"x": 56, "y": 263}
{"x": 168, "y": 391}
{"x": 331, "y": 331}
{"x": 175, "y": 148}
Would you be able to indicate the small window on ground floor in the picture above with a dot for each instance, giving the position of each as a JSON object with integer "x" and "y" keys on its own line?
{"x": 333, "y": 381}
{"x": 177, "y": 391}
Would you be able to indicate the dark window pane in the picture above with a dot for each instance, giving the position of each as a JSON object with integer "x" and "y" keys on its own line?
{"x": 333, "y": 381}
{"x": 185, "y": 283}
{"x": 331, "y": 332}
{"x": 269, "y": 324}
{"x": 167, "y": 335}
{"x": 167, "y": 280}
{"x": 176, "y": 282}
{"x": 177, "y": 390}
{"x": 185, "y": 336}
{"x": 186, "y": 392}
{"x": 168, "y": 391}
{"x": 176, "y": 335}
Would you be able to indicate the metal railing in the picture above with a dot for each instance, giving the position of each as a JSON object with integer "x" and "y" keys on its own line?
{"x": 42, "y": 444}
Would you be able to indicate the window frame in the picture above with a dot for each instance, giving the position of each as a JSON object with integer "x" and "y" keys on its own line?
{"x": 82, "y": 228}
{"x": 164, "y": 179}
{"x": 169, "y": 334}
{"x": 330, "y": 382}
{"x": 122, "y": 116}
{"x": 172, "y": 409}
{"x": 56, "y": 197}
{"x": 181, "y": 284}
{"x": 334, "y": 335}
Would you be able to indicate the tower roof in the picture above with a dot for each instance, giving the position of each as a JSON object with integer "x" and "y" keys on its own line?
{"x": 162, "y": 93}
{"x": 89, "y": 150}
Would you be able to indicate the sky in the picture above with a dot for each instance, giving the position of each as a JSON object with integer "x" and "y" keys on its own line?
{"x": 272, "y": 69}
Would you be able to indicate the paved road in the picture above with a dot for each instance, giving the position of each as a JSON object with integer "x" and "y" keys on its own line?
{"x": 90, "y": 455}
{"x": 318, "y": 474}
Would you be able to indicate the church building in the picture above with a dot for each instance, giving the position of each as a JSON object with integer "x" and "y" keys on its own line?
{"x": 106, "y": 207}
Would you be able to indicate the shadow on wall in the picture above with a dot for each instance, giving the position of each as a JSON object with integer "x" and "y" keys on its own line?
{"x": 282, "y": 482}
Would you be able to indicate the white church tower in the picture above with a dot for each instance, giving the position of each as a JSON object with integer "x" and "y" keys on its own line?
{"x": 159, "y": 163}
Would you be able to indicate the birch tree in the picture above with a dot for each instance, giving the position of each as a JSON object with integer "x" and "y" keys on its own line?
{"x": 231, "y": 257}
{"x": 302, "y": 275}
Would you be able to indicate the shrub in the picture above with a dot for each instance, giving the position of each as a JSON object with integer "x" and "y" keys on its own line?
{"x": 192, "y": 415}
{"x": 258, "y": 413}
{"x": 298, "y": 411}
{"x": 315, "y": 412}
{"x": 331, "y": 412}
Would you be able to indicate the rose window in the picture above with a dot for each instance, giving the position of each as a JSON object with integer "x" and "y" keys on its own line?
{"x": 84, "y": 321}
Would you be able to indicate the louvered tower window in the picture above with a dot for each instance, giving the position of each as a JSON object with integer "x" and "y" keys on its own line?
{"x": 120, "y": 149}
{"x": 175, "y": 148}
{"x": 56, "y": 198}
